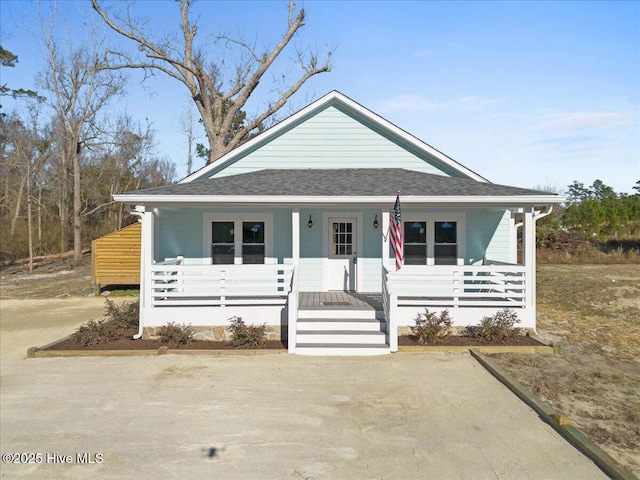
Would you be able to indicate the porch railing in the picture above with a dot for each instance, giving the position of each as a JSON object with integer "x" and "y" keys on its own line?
{"x": 219, "y": 285}
{"x": 456, "y": 286}
{"x": 461, "y": 286}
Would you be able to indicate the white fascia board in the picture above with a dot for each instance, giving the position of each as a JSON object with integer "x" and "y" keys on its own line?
{"x": 318, "y": 105}
{"x": 338, "y": 200}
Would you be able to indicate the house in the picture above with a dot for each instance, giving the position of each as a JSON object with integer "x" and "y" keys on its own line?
{"x": 290, "y": 229}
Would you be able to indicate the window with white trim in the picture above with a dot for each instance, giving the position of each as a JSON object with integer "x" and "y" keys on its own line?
{"x": 238, "y": 239}
{"x": 433, "y": 240}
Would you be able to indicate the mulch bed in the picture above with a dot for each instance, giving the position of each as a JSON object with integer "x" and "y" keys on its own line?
{"x": 465, "y": 341}
{"x": 128, "y": 343}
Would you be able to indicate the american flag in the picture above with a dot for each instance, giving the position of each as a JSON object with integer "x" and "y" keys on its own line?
{"x": 396, "y": 234}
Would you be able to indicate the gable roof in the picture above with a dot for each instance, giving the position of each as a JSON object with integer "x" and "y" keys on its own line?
{"x": 363, "y": 114}
{"x": 335, "y": 185}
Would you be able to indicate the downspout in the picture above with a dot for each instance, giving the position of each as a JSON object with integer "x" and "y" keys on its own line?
{"x": 537, "y": 216}
{"x": 138, "y": 335}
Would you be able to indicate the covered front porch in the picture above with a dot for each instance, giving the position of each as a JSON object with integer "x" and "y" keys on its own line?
{"x": 207, "y": 295}
{"x": 293, "y": 264}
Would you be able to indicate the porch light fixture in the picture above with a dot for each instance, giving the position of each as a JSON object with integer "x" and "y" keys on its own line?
{"x": 375, "y": 222}
{"x": 310, "y": 222}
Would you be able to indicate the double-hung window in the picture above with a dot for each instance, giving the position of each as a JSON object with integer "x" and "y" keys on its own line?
{"x": 433, "y": 240}
{"x": 241, "y": 240}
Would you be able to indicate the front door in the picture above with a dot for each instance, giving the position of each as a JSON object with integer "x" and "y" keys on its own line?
{"x": 343, "y": 257}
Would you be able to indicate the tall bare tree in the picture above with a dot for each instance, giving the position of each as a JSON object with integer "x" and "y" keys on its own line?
{"x": 79, "y": 88}
{"x": 218, "y": 90}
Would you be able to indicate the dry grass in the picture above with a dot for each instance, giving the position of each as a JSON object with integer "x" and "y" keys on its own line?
{"x": 593, "y": 313}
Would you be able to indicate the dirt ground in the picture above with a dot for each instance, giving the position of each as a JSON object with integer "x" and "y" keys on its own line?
{"x": 592, "y": 312}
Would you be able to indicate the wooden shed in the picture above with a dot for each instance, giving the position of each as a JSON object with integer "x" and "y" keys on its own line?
{"x": 115, "y": 257}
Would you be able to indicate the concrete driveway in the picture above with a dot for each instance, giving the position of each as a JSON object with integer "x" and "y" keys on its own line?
{"x": 404, "y": 416}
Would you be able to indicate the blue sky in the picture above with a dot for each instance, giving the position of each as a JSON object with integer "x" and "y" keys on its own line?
{"x": 524, "y": 93}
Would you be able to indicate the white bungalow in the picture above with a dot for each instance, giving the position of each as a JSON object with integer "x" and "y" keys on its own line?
{"x": 290, "y": 229}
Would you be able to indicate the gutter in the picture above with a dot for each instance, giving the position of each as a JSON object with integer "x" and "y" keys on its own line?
{"x": 537, "y": 216}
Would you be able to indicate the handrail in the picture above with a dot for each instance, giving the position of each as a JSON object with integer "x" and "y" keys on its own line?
{"x": 292, "y": 313}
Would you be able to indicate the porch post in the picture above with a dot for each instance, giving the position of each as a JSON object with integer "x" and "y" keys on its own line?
{"x": 147, "y": 243}
{"x": 295, "y": 236}
{"x": 385, "y": 243}
{"x": 529, "y": 259}
{"x": 292, "y": 306}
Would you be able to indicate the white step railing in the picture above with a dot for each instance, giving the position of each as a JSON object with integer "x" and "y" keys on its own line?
{"x": 219, "y": 285}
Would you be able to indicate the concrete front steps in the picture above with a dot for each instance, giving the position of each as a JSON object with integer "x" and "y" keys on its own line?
{"x": 341, "y": 333}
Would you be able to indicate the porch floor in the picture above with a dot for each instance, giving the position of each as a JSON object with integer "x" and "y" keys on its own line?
{"x": 340, "y": 301}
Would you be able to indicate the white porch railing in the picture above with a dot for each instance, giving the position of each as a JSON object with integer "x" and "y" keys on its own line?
{"x": 440, "y": 287}
{"x": 219, "y": 285}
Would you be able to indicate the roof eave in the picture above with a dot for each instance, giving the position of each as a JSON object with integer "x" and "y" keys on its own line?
{"x": 462, "y": 200}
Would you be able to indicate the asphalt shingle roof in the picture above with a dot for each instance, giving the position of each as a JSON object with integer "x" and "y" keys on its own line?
{"x": 338, "y": 182}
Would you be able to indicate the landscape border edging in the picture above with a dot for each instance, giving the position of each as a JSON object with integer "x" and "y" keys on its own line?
{"x": 524, "y": 349}
{"x": 559, "y": 422}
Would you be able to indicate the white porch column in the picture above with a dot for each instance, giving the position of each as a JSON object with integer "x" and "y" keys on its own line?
{"x": 529, "y": 258}
{"x": 385, "y": 239}
{"x": 292, "y": 307}
{"x": 147, "y": 246}
{"x": 295, "y": 236}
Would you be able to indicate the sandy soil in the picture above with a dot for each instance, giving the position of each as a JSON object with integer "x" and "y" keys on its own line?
{"x": 592, "y": 312}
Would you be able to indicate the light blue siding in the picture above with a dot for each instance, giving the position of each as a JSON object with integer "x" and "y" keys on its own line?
{"x": 311, "y": 255}
{"x": 332, "y": 139}
{"x": 488, "y": 236}
{"x": 180, "y": 232}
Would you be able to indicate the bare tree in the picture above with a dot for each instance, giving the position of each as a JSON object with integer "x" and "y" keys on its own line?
{"x": 219, "y": 92}
{"x": 186, "y": 125}
{"x": 79, "y": 89}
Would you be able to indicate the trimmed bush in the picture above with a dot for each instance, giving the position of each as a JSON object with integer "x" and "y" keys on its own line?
{"x": 176, "y": 335}
{"x": 499, "y": 327}
{"x": 430, "y": 327}
{"x": 96, "y": 332}
{"x": 125, "y": 316}
{"x": 247, "y": 336}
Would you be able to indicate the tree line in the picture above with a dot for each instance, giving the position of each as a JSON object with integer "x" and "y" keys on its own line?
{"x": 63, "y": 156}
{"x": 595, "y": 214}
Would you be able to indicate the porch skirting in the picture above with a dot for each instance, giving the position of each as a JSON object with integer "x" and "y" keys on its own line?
{"x": 218, "y": 333}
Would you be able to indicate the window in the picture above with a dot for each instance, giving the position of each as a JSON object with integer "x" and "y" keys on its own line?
{"x": 238, "y": 239}
{"x": 434, "y": 240}
{"x": 415, "y": 243}
{"x": 445, "y": 243}
{"x": 342, "y": 238}
{"x": 222, "y": 243}
{"x": 252, "y": 242}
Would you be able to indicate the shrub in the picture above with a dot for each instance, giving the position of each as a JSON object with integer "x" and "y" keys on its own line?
{"x": 247, "y": 336}
{"x": 430, "y": 327}
{"x": 499, "y": 327}
{"x": 96, "y": 332}
{"x": 125, "y": 316}
{"x": 176, "y": 335}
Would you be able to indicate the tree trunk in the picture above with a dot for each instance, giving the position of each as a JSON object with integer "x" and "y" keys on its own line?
{"x": 64, "y": 195}
{"x": 29, "y": 226}
{"x": 16, "y": 214}
{"x": 77, "y": 218}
